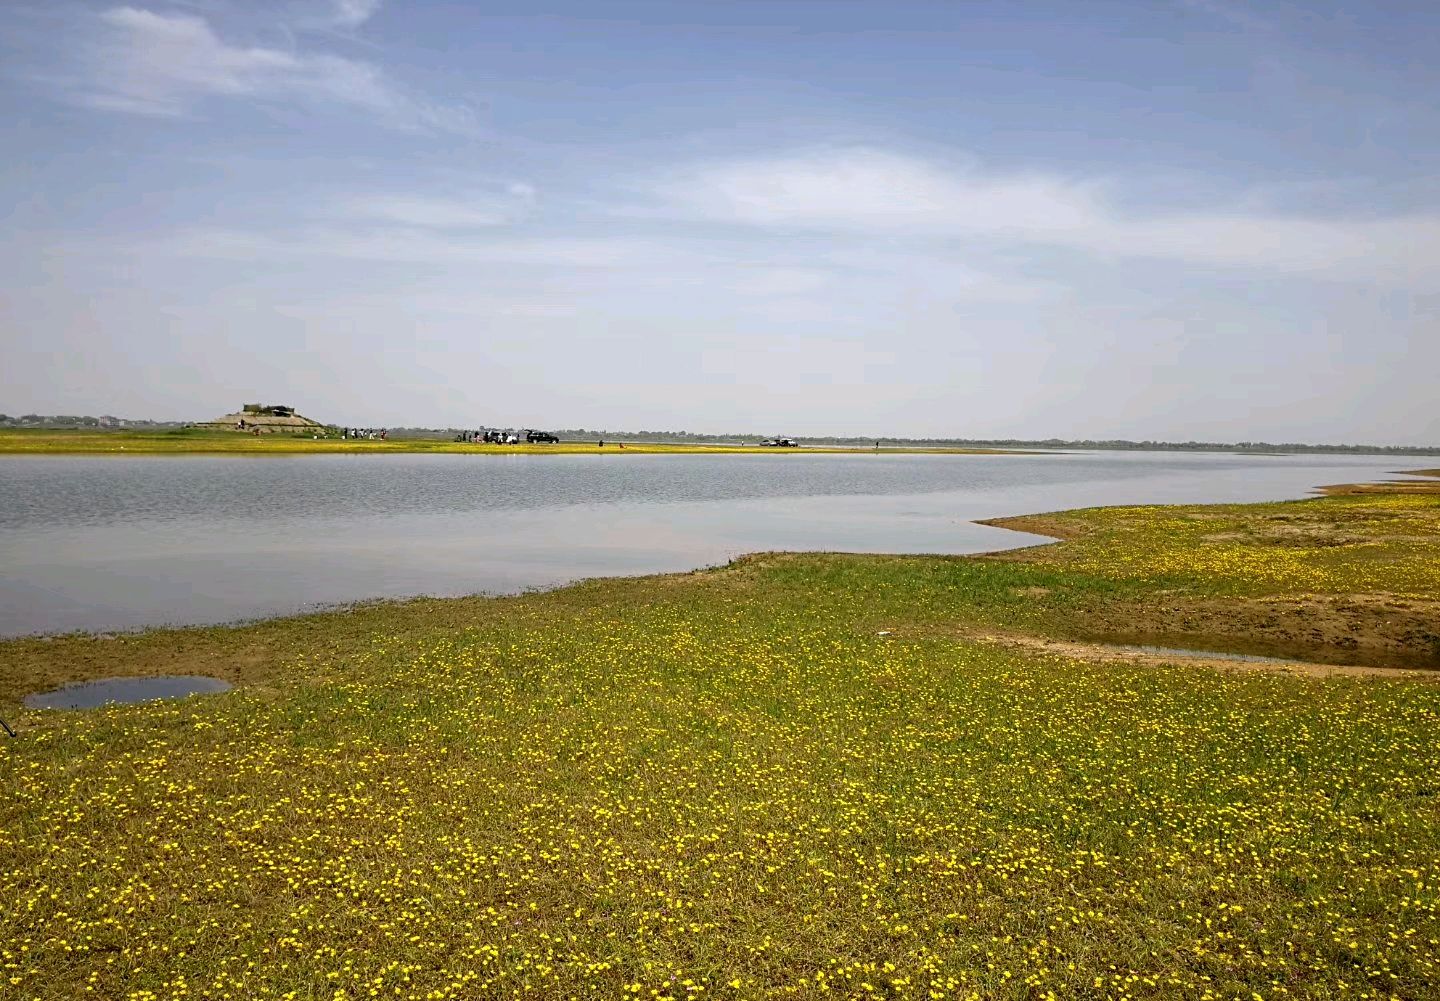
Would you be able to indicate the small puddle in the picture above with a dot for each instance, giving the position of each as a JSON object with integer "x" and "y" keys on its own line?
{"x": 1172, "y": 651}
{"x": 92, "y": 694}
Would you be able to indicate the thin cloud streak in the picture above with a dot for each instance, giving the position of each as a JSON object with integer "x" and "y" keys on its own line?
{"x": 882, "y": 193}
{"x": 477, "y": 210}
{"x": 429, "y": 233}
{"x": 142, "y": 62}
{"x": 352, "y": 13}
{"x": 398, "y": 245}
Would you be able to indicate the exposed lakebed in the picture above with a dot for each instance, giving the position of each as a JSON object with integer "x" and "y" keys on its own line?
{"x": 97, "y": 543}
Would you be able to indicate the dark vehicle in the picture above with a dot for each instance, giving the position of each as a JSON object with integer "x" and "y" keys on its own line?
{"x": 780, "y": 443}
{"x": 541, "y": 438}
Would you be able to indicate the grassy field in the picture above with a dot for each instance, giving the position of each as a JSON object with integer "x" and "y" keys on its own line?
{"x": 182, "y": 441}
{"x": 789, "y": 777}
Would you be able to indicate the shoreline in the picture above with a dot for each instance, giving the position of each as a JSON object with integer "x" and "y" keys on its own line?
{"x": 1097, "y": 628}
{"x": 1052, "y": 525}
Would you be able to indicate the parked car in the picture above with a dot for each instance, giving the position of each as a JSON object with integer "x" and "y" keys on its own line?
{"x": 541, "y": 438}
{"x": 780, "y": 443}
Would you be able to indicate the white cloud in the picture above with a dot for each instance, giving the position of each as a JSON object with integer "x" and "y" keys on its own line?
{"x": 473, "y": 211}
{"x": 879, "y": 193}
{"x": 1404, "y": 251}
{"x": 352, "y": 13}
{"x": 749, "y": 270}
{"x": 489, "y": 224}
{"x": 873, "y": 190}
{"x": 399, "y": 245}
{"x": 143, "y": 62}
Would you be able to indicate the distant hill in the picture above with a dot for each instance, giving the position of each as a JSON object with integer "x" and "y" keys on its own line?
{"x": 264, "y": 419}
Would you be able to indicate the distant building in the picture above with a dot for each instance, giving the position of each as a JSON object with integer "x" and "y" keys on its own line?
{"x": 268, "y": 419}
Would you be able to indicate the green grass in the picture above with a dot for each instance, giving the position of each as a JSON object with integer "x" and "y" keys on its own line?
{"x": 730, "y": 780}
{"x": 1348, "y": 578}
{"x": 201, "y": 441}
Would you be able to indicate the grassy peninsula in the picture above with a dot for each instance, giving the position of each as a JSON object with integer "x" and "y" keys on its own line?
{"x": 793, "y": 776}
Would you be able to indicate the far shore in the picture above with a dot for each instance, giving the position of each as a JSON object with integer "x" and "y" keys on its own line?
{"x": 192, "y": 442}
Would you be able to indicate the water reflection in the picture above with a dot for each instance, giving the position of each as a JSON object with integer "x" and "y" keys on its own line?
{"x": 113, "y": 543}
{"x": 93, "y": 694}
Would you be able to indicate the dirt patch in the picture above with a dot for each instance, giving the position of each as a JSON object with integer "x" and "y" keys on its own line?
{"x": 1292, "y": 537}
{"x": 1056, "y": 527}
{"x": 1363, "y": 629}
{"x": 1102, "y": 653}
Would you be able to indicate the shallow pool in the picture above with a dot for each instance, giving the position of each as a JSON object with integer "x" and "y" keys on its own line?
{"x": 91, "y": 694}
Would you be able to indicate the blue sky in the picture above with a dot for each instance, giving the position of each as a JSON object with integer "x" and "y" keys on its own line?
{"x": 1201, "y": 219}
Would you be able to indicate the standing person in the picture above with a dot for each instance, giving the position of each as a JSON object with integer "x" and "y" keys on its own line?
{"x": 601, "y": 443}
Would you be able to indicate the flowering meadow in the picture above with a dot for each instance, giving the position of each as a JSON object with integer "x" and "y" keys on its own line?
{"x": 1361, "y": 542}
{"x": 758, "y": 782}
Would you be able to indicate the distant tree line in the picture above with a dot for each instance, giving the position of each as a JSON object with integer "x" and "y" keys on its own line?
{"x": 69, "y": 421}
{"x": 1032, "y": 443}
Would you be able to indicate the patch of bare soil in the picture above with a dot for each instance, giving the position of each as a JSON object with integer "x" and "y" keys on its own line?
{"x": 1292, "y": 536}
{"x": 1056, "y": 526}
{"x": 1103, "y": 653}
{"x": 1371, "y": 629}
{"x": 1316, "y": 528}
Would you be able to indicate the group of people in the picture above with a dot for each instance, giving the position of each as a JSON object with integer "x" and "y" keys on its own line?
{"x": 489, "y": 437}
{"x": 366, "y": 434}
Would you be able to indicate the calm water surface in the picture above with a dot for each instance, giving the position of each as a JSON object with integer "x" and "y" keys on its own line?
{"x": 106, "y": 542}
{"x": 93, "y": 694}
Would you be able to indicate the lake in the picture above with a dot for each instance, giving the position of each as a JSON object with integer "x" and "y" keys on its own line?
{"x": 105, "y": 543}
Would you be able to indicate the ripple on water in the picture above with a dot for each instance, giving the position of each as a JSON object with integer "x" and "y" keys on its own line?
{"x": 92, "y": 694}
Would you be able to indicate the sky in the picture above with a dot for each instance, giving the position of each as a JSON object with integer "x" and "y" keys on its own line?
{"x": 1200, "y": 219}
